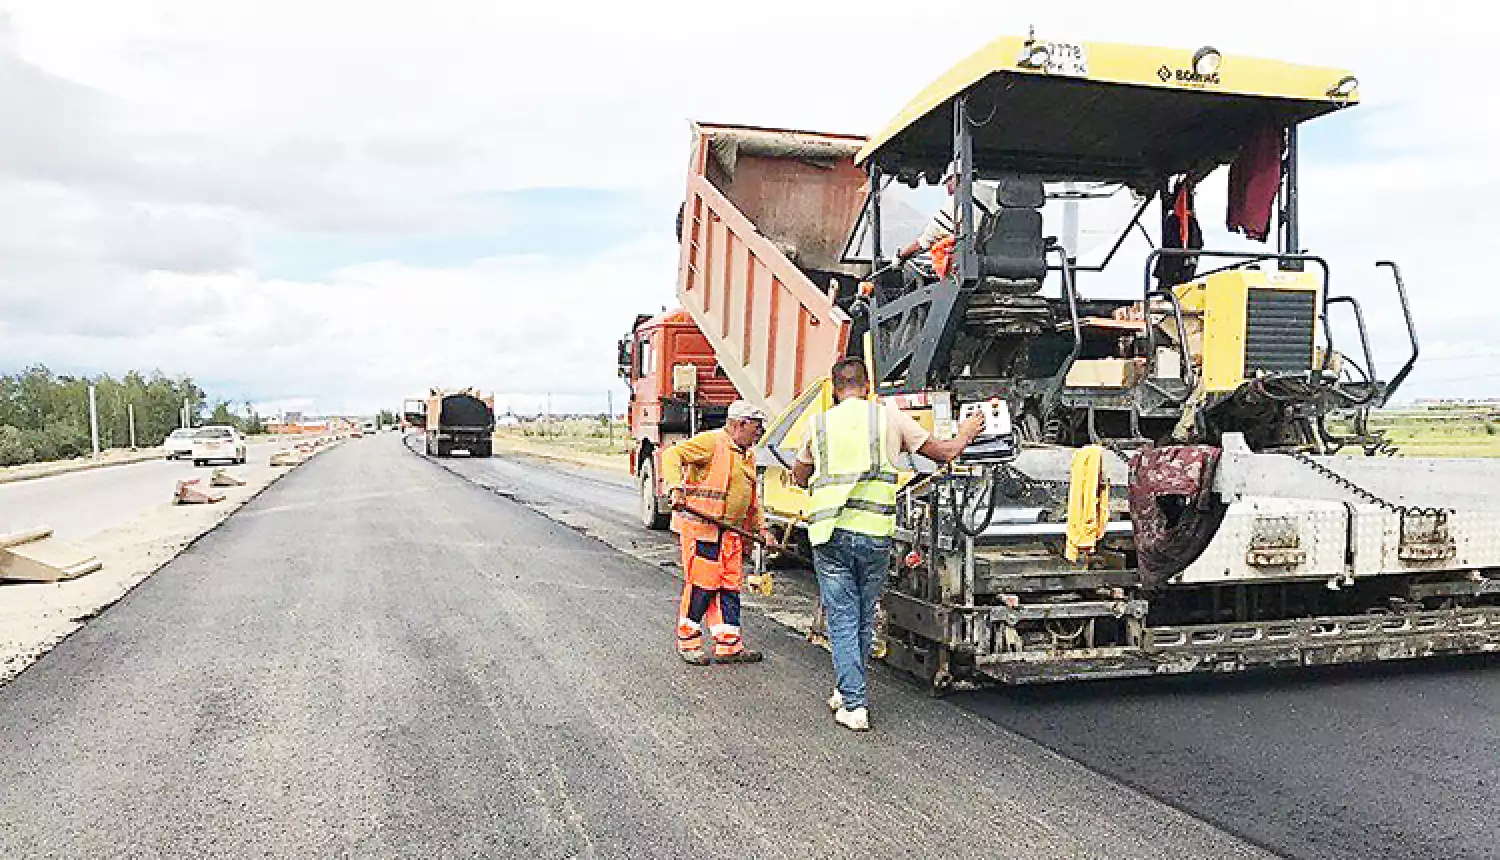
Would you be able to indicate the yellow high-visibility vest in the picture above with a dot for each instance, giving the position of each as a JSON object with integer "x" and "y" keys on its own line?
{"x": 854, "y": 482}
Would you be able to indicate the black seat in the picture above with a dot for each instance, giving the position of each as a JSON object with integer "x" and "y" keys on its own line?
{"x": 1012, "y": 250}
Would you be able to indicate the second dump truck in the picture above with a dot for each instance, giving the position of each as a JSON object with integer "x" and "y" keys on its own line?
{"x": 460, "y": 421}
{"x": 1218, "y": 382}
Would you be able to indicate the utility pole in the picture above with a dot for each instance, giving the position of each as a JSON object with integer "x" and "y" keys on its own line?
{"x": 185, "y": 421}
{"x": 94, "y": 418}
{"x": 609, "y": 416}
{"x": 130, "y": 415}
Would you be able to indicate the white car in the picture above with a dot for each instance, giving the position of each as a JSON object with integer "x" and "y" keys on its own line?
{"x": 179, "y": 443}
{"x": 218, "y": 442}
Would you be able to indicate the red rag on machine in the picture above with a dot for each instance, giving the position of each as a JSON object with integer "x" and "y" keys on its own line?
{"x": 1254, "y": 180}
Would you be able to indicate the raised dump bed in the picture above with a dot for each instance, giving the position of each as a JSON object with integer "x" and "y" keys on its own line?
{"x": 764, "y": 225}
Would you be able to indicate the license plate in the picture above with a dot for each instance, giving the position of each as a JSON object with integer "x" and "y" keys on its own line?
{"x": 1068, "y": 59}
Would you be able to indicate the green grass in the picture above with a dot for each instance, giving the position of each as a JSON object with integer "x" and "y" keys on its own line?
{"x": 1441, "y": 431}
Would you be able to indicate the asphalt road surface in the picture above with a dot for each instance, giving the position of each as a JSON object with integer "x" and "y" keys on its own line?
{"x": 1391, "y": 761}
{"x": 378, "y": 658}
{"x": 79, "y": 504}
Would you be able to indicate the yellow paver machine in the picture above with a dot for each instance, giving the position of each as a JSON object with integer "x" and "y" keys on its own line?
{"x": 1221, "y": 383}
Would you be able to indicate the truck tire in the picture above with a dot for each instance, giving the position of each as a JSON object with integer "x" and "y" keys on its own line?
{"x": 483, "y": 449}
{"x": 651, "y": 516}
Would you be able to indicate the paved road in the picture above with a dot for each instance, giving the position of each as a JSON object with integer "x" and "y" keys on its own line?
{"x": 80, "y": 504}
{"x": 1398, "y": 761}
{"x": 376, "y": 658}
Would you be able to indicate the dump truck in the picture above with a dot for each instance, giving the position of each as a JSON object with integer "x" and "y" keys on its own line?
{"x": 1215, "y": 398}
{"x": 461, "y": 420}
{"x": 677, "y": 388}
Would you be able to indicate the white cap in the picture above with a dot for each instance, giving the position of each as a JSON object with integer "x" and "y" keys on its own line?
{"x": 740, "y": 409}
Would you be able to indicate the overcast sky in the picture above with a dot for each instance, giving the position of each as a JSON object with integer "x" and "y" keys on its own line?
{"x": 333, "y": 205}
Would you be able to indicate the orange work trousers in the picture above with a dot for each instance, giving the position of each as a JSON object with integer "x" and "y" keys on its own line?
{"x": 726, "y": 572}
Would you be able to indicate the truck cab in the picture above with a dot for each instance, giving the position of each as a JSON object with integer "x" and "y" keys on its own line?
{"x": 677, "y": 388}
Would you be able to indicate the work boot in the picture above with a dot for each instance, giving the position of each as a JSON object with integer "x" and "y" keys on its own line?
{"x": 690, "y": 642}
{"x": 743, "y": 655}
{"x": 855, "y": 719}
{"x": 730, "y": 648}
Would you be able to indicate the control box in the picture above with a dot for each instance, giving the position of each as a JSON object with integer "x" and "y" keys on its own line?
{"x": 997, "y": 441}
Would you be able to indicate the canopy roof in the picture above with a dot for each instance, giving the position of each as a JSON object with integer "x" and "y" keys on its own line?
{"x": 1124, "y": 113}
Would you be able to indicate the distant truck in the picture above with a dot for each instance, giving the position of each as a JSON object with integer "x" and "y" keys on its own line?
{"x": 460, "y": 421}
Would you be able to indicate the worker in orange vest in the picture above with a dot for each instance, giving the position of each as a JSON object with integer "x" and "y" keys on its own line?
{"x": 711, "y": 477}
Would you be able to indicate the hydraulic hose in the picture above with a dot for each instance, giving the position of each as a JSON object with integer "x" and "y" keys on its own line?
{"x": 959, "y": 508}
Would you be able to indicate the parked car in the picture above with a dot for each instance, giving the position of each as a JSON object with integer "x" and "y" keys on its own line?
{"x": 179, "y": 443}
{"x": 218, "y": 442}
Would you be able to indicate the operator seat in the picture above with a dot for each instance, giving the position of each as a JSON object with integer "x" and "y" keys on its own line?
{"x": 1012, "y": 251}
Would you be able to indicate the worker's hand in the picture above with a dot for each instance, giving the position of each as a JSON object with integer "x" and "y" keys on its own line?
{"x": 768, "y": 537}
{"x": 971, "y": 427}
{"x": 902, "y": 255}
{"x": 677, "y": 498}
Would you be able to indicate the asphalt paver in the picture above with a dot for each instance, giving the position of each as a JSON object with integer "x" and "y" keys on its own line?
{"x": 376, "y": 658}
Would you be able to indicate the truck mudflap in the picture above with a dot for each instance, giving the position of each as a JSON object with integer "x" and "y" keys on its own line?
{"x": 1243, "y": 646}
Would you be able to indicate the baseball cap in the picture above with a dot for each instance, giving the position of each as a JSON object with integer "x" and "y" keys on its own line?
{"x": 740, "y": 409}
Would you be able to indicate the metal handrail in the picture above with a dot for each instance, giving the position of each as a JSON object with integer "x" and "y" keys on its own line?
{"x": 1364, "y": 340}
{"x": 1189, "y": 374}
{"x": 1411, "y": 332}
{"x": 1070, "y": 292}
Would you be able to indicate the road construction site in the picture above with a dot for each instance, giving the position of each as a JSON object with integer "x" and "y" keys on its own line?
{"x": 388, "y": 655}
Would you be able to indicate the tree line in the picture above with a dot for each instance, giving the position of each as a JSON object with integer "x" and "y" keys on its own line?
{"x": 45, "y": 416}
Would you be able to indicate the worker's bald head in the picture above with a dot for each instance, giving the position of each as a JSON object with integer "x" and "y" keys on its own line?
{"x": 850, "y": 379}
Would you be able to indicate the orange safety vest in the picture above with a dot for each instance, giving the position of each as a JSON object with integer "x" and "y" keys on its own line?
{"x": 709, "y": 495}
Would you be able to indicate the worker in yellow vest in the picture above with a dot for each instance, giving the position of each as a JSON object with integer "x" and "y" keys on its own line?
{"x": 849, "y": 463}
{"x": 711, "y": 480}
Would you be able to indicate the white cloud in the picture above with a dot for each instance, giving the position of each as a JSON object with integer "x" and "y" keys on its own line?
{"x": 163, "y": 141}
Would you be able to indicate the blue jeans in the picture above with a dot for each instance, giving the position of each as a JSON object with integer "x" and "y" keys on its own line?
{"x": 851, "y": 573}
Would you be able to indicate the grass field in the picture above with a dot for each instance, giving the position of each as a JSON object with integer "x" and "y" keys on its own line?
{"x": 574, "y": 440}
{"x": 1441, "y": 431}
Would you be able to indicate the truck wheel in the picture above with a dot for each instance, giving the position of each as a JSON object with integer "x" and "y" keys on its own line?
{"x": 651, "y": 515}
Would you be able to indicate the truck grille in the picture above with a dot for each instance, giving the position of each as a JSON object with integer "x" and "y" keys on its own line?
{"x": 1279, "y": 331}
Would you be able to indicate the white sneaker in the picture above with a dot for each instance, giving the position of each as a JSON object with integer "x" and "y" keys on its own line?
{"x": 836, "y": 701}
{"x": 856, "y": 720}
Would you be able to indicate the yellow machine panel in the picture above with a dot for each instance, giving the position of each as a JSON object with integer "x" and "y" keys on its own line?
{"x": 1246, "y": 323}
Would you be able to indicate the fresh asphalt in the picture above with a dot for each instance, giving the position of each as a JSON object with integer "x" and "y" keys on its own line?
{"x": 378, "y": 658}
{"x": 1390, "y": 760}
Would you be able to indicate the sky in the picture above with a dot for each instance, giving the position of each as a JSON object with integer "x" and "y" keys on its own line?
{"x": 330, "y": 206}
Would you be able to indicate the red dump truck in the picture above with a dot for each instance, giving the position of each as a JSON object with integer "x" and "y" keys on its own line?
{"x": 762, "y": 229}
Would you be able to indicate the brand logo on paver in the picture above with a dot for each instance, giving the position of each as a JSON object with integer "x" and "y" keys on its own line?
{"x": 1186, "y": 76}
